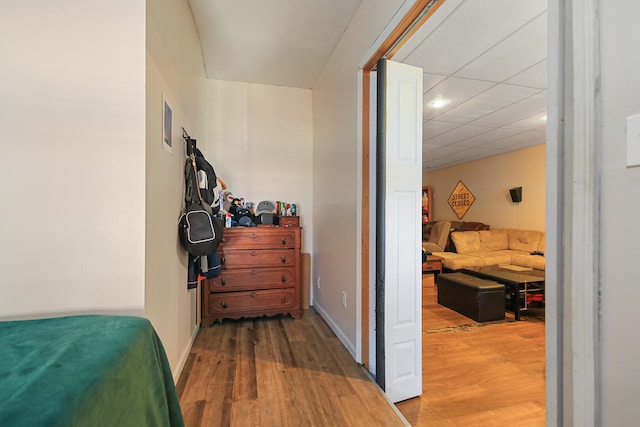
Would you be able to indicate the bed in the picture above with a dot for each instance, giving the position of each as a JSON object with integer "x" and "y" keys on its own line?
{"x": 85, "y": 371}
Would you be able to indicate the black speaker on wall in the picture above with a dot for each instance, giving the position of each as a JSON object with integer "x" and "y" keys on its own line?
{"x": 516, "y": 194}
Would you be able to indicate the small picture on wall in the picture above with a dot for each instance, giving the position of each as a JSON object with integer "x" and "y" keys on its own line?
{"x": 167, "y": 126}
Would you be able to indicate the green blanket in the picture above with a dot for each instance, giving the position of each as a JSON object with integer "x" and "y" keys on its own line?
{"x": 85, "y": 371}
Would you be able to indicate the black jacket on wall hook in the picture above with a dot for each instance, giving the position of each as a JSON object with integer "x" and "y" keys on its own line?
{"x": 199, "y": 229}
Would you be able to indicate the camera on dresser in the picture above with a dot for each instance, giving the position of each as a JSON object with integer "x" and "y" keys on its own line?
{"x": 260, "y": 275}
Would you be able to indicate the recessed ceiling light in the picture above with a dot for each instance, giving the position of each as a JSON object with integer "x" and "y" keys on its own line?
{"x": 544, "y": 118}
{"x": 438, "y": 103}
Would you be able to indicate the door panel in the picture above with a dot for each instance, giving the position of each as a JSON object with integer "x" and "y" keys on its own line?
{"x": 402, "y": 181}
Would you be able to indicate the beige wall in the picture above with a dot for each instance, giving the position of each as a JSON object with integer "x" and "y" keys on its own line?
{"x": 104, "y": 195}
{"x": 174, "y": 70}
{"x": 72, "y": 180}
{"x": 260, "y": 142}
{"x": 619, "y": 348}
{"x": 335, "y": 170}
{"x": 489, "y": 180}
{"x": 259, "y": 139}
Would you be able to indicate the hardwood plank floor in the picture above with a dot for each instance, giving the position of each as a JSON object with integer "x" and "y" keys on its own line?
{"x": 278, "y": 372}
{"x": 284, "y": 372}
{"x": 474, "y": 374}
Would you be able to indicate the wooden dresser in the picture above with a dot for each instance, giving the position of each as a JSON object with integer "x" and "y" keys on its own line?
{"x": 260, "y": 275}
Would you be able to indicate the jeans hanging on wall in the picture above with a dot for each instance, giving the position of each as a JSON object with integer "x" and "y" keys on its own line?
{"x": 195, "y": 270}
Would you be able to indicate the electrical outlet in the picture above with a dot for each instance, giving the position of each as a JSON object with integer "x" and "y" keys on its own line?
{"x": 318, "y": 282}
{"x": 344, "y": 299}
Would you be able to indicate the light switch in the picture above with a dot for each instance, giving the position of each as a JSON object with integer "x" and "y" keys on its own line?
{"x": 633, "y": 140}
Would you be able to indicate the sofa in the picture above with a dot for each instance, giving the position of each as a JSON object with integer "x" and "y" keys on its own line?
{"x": 481, "y": 248}
{"x": 438, "y": 237}
{"x": 464, "y": 226}
{"x": 428, "y": 228}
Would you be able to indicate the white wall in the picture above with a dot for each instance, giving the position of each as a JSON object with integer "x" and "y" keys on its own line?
{"x": 620, "y": 228}
{"x": 175, "y": 71}
{"x": 489, "y": 180}
{"x": 90, "y": 200}
{"x": 72, "y": 178}
{"x": 259, "y": 140}
{"x": 335, "y": 170}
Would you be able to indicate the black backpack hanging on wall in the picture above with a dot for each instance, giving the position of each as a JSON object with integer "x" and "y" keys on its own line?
{"x": 199, "y": 230}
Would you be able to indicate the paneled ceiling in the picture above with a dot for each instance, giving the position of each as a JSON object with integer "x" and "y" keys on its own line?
{"x": 275, "y": 42}
{"x": 484, "y": 61}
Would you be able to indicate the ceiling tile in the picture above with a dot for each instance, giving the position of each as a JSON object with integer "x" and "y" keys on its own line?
{"x": 519, "y": 51}
{"x": 522, "y": 138}
{"x": 455, "y": 135}
{"x": 535, "y": 121}
{"x": 535, "y": 76}
{"x": 431, "y": 25}
{"x": 433, "y": 128}
{"x": 535, "y": 104}
{"x": 430, "y": 80}
{"x": 455, "y": 91}
{"x": 472, "y": 29}
{"x": 438, "y": 151}
{"x": 457, "y": 158}
{"x": 487, "y": 137}
{"x": 486, "y": 103}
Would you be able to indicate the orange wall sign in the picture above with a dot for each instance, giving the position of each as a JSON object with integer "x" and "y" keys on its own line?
{"x": 461, "y": 199}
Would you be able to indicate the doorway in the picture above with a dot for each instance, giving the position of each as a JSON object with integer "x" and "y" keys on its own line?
{"x": 570, "y": 379}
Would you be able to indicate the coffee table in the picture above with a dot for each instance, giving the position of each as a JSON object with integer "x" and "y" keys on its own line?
{"x": 519, "y": 284}
{"x": 432, "y": 264}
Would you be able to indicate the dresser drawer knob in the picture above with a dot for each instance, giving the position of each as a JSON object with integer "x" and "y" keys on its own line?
{"x": 283, "y": 299}
{"x": 222, "y": 260}
{"x": 284, "y": 240}
{"x": 283, "y": 259}
{"x": 252, "y": 235}
{"x": 223, "y": 304}
{"x": 223, "y": 282}
{"x": 283, "y": 278}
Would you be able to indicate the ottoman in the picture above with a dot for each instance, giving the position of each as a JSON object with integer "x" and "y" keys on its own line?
{"x": 480, "y": 299}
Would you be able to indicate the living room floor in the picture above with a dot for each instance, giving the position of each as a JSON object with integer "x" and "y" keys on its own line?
{"x": 479, "y": 374}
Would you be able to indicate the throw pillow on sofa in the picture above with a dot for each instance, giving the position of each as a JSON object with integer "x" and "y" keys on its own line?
{"x": 466, "y": 241}
{"x": 494, "y": 240}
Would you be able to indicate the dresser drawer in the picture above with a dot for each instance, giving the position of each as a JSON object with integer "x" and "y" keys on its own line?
{"x": 244, "y": 238}
{"x": 251, "y": 278}
{"x": 260, "y": 275}
{"x": 229, "y": 304}
{"x": 257, "y": 258}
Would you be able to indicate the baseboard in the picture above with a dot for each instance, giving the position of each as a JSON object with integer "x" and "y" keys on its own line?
{"x": 391, "y": 404}
{"x": 336, "y": 330}
{"x": 185, "y": 355}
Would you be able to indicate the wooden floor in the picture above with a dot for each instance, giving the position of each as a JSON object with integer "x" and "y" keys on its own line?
{"x": 284, "y": 372}
{"x": 474, "y": 374}
{"x": 278, "y": 372}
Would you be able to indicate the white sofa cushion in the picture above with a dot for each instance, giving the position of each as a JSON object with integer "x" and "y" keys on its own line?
{"x": 524, "y": 240}
{"x": 456, "y": 261}
{"x": 537, "y": 262}
{"x": 466, "y": 241}
{"x": 494, "y": 240}
{"x": 542, "y": 244}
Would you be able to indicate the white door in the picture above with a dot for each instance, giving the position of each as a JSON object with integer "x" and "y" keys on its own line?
{"x": 400, "y": 177}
